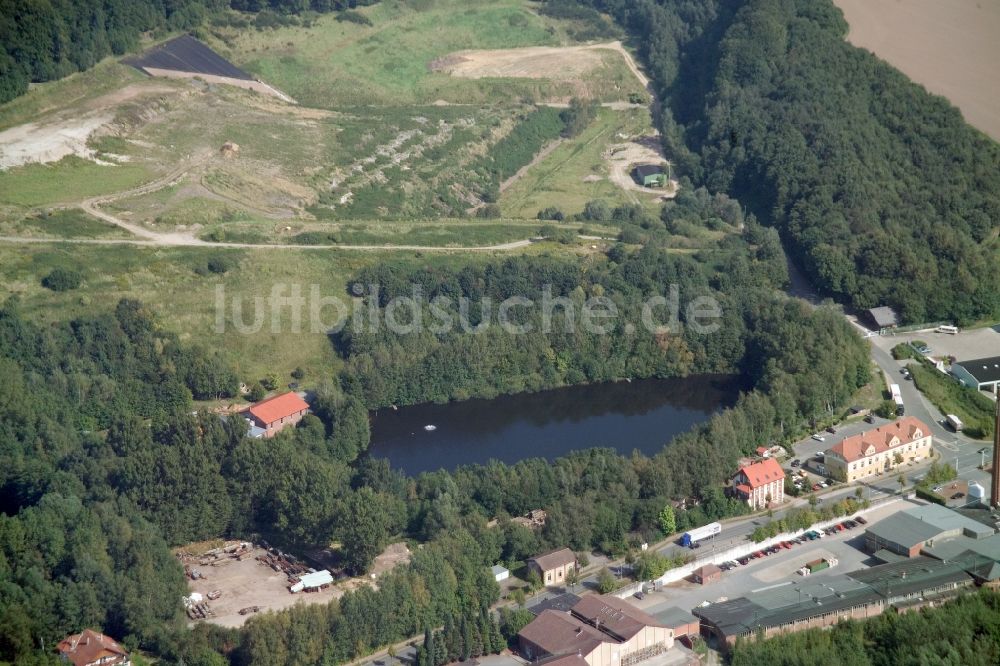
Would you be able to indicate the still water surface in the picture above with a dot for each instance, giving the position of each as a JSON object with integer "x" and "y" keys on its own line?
{"x": 642, "y": 414}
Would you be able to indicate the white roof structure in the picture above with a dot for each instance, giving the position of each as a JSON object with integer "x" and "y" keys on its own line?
{"x": 311, "y": 580}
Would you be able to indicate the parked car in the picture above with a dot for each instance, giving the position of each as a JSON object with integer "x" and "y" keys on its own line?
{"x": 869, "y": 419}
{"x": 639, "y": 595}
{"x": 796, "y": 462}
{"x": 816, "y": 486}
{"x": 861, "y": 520}
{"x": 831, "y": 430}
{"x": 819, "y": 438}
{"x": 744, "y": 560}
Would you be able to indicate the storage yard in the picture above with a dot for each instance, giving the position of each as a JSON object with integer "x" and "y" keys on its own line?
{"x": 239, "y": 579}
{"x": 231, "y": 581}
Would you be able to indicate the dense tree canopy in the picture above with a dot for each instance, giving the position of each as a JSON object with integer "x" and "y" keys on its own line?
{"x": 883, "y": 193}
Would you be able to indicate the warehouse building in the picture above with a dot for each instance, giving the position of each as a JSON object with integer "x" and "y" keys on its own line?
{"x": 909, "y": 532}
{"x": 980, "y": 373}
{"x": 806, "y": 604}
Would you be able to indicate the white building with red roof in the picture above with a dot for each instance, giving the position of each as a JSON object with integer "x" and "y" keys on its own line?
{"x": 268, "y": 417}
{"x": 93, "y": 649}
{"x": 879, "y": 450}
{"x": 760, "y": 483}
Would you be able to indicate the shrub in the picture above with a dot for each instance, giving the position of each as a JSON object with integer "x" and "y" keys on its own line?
{"x": 489, "y": 212}
{"x": 219, "y": 264}
{"x": 256, "y": 392}
{"x": 62, "y": 279}
{"x": 551, "y": 213}
{"x": 351, "y": 16}
{"x": 597, "y": 210}
{"x": 630, "y": 236}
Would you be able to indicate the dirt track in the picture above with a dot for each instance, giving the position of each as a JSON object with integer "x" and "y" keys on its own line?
{"x": 623, "y": 157}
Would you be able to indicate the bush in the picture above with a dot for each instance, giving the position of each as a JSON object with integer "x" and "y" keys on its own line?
{"x": 62, "y": 279}
{"x": 597, "y": 211}
{"x": 298, "y": 373}
{"x": 551, "y": 213}
{"x": 351, "y": 16}
{"x": 630, "y": 236}
{"x": 606, "y": 582}
{"x": 903, "y": 351}
{"x": 886, "y": 410}
{"x": 256, "y": 392}
{"x": 490, "y": 211}
{"x": 219, "y": 264}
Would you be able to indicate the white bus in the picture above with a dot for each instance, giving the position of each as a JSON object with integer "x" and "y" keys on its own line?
{"x": 955, "y": 422}
{"x": 897, "y": 398}
{"x": 951, "y": 330}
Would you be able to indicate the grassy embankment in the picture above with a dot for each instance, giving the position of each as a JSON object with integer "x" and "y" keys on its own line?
{"x": 975, "y": 409}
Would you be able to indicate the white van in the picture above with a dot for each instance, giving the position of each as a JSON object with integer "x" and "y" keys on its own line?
{"x": 951, "y": 330}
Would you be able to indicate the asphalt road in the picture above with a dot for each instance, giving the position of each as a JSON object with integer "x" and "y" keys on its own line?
{"x": 954, "y": 448}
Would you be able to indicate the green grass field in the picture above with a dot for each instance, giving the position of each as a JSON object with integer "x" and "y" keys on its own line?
{"x": 332, "y": 64}
{"x": 65, "y": 223}
{"x": 560, "y": 179}
{"x": 173, "y": 282}
{"x": 378, "y": 161}
{"x": 69, "y": 180}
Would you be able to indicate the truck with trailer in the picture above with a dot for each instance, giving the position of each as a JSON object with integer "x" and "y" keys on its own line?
{"x": 692, "y": 537}
{"x": 897, "y": 398}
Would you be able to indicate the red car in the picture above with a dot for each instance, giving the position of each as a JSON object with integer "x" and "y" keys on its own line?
{"x": 816, "y": 486}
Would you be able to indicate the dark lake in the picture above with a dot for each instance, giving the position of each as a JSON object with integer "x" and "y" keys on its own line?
{"x": 642, "y": 414}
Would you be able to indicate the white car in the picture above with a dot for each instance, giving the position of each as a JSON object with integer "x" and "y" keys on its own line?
{"x": 819, "y": 438}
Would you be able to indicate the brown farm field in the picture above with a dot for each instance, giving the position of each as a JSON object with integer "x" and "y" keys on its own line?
{"x": 952, "y": 48}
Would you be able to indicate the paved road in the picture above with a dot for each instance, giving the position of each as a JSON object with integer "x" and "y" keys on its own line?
{"x": 954, "y": 448}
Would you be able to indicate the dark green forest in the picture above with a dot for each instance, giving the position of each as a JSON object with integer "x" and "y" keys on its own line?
{"x": 883, "y": 195}
{"x": 105, "y": 466}
{"x": 962, "y": 632}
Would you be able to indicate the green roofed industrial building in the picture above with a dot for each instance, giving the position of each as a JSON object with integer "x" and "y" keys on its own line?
{"x": 908, "y": 532}
{"x": 819, "y": 603}
{"x": 650, "y": 175}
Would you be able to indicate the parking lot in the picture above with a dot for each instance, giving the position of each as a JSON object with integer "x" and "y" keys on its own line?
{"x": 966, "y": 345}
{"x": 778, "y": 568}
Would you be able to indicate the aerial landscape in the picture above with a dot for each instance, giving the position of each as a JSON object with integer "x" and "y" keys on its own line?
{"x": 499, "y": 332}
